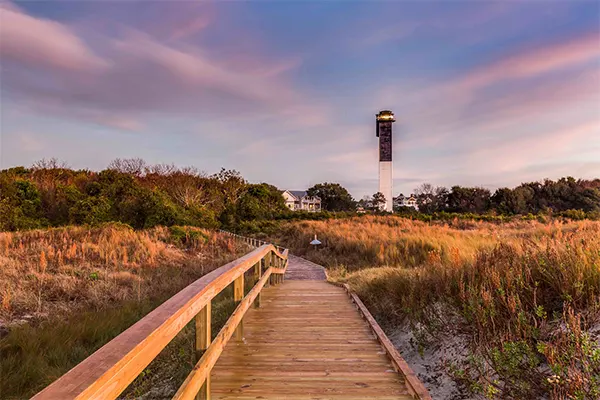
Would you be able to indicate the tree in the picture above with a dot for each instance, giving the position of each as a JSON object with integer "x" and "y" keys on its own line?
{"x": 431, "y": 199}
{"x": 469, "y": 200}
{"x": 260, "y": 201}
{"x": 378, "y": 201}
{"x": 502, "y": 201}
{"x": 50, "y": 163}
{"x": 333, "y": 197}
{"x": 133, "y": 166}
{"x": 232, "y": 185}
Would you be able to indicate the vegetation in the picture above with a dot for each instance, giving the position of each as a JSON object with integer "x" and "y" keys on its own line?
{"x": 131, "y": 192}
{"x": 378, "y": 201}
{"x": 533, "y": 197}
{"x": 65, "y": 292}
{"x": 143, "y": 196}
{"x": 333, "y": 197}
{"x": 526, "y": 293}
{"x": 518, "y": 270}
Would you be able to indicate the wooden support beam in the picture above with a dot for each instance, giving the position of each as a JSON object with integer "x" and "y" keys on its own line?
{"x": 268, "y": 264}
{"x": 203, "y": 338}
{"x": 238, "y": 295}
{"x": 258, "y": 275}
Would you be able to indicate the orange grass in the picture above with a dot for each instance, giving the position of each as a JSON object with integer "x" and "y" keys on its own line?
{"x": 44, "y": 272}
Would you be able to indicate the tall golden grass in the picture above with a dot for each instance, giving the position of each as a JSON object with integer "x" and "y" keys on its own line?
{"x": 66, "y": 292}
{"x": 526, "y": 292}
{"x": 43, "y": 272}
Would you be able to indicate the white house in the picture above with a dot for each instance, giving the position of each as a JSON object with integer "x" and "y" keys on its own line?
{"x": 402, "y": 201}
{"x": 298, "y": 200}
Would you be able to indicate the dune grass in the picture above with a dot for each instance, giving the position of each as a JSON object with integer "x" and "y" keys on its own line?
{"x": 89, "y": 286}
{"x": 47, "y": 272}
{"x": 33, "y": 356}
{"x": 526, "y": 293}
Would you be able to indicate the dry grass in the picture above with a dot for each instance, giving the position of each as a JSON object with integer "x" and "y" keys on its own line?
{"x": 66, "y": 292}
{"x": 527, "y": 292}
{"x": 45, "y": 272}
{"x": 371, "y": 241}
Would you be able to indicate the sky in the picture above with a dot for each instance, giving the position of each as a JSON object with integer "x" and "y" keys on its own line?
{"x": 486, "y": 93}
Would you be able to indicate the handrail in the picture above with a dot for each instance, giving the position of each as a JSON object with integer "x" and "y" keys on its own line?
{"x": 250, "y": 240}
{"x": 415, "y": 387}
{"x": 108, "y": 371}
{"x": 201, "y": 370}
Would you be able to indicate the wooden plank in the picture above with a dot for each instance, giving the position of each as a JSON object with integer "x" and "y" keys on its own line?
{"x": 319, "y": 347}
{"x": 203, "y": 329}
{"x": 202, "y": 369}
{"x": 107, "y": 372}
{"x": 203, "y": 338}
{"x": 257, "y": 276}
{"x": 238, "y": 295}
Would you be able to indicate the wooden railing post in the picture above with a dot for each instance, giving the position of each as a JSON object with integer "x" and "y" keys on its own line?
{"x": 271, "y": 264}
{"x": 257, "y": 275}
{"x": 238, "y": 295}
{"x": 203, "y": 338}
{"x": 266, "y": 264}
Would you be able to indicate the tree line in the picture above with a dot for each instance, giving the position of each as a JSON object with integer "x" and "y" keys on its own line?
{"x": 528, "y": 198}
{"x": 546, "y": 197}
{"x": 130, "y": 191}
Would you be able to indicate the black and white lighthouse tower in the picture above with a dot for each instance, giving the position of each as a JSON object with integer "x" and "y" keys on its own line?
{"x": 385, "y": 119}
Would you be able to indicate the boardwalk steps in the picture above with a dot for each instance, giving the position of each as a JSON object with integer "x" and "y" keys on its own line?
{"x": 301, "y": 338}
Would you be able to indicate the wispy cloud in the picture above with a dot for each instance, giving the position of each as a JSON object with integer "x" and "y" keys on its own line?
{"x": 141, "y": 75}
{"x": 531, "y": 62}
{"x": 510, "y": 155}
{"x": 42, "y": 43}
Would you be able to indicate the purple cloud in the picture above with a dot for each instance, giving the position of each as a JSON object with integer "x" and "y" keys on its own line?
{"x": 139, "y": 74}
{"x": 42, "y": 43}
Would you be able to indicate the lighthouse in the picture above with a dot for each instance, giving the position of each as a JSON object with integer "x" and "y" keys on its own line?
{"x": 384, "y": 121}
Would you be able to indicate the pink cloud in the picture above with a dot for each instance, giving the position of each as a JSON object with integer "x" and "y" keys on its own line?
{"x": 516, "y": 153}
{"x": 191, "y": 27}
{"x": 120, "y": 123}
{"x": 531, "y": 62}
{"x": 526, "y": 63}
{"x": 142, "y": 74}
{"x": 549, "y": 97}
{"x": 180, "y": 20}
{"x": 40, "y": 42}
{"x": 194, "y": 68}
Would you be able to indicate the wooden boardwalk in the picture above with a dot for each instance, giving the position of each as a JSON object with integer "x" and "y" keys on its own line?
{"x": 298, "y": 338}
{"x": 307, "y": 341}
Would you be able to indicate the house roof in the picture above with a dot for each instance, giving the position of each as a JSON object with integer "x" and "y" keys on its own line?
{"x": 298, "y": 193}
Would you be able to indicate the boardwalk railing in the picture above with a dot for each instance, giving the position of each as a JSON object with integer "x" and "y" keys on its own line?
{"x": 107, "y": 372}
{"x": 251, "y": 241}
